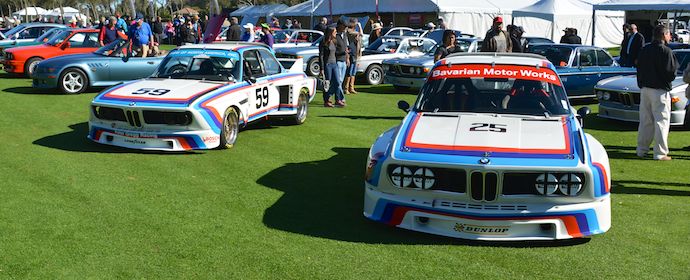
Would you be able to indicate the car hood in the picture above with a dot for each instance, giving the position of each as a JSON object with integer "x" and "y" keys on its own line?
{"x": 298, "y": 50}
{"x": 173, "y": 92}
{"x": 457, "y": 137}
{"x": 629, "y": 83}
{"x": 426, "y": 60}
{"x": 36, "y": 49}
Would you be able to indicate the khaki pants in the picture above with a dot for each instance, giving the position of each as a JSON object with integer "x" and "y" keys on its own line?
{"x": 655, "y": 115}
{"x": 144, "y": 50}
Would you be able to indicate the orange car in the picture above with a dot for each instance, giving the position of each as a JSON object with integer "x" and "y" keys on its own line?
{"x": 23, "y": 60}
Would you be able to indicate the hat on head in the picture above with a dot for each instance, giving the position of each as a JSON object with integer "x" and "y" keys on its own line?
{"x": 248, "y": 25}
{"x": 498, "y": 20}
{"x": 376, "y": 26}
{"x": 265, "y": 25}
{"x": 139, "y": 16}
{"x": 430, "y": 25}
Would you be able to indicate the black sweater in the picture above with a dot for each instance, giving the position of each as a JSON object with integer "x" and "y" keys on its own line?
{"x": 656, "y": 66}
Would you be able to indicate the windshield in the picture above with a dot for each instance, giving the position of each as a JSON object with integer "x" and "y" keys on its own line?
{"x": 385, "y": 45}
{"x": 281, "y": 36}
{"x": 558, "y": 55}
{"x": 57, "y": 39}
{"x": 46, "y": 36}
{"x": 504, "y": 89}
{"x": 683, "y": 58}
{"x": 14, "y": 30}
{"x": 464, "y": 44}
{"x": 200, "y": 64}
{"x": 116, "y": 48}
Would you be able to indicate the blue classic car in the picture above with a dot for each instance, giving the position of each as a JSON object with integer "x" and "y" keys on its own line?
{"x": 107, "y": 66}
{"x": 406, "y": 73}
{"x": 581, "y": 67}
{"x": 309, "y": 54}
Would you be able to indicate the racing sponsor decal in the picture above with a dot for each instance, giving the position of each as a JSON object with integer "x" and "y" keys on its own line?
{"x": 483, "y": 230}
{"x": 211, "y": 139}
{"x": 523, "y": 72}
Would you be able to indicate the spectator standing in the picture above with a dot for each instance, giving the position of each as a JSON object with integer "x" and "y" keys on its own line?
{"x": 158, "y": 30}
{"x": 288, "y": 24}
{"x": 275, "y": 23}
{"x": 430, "y": 26}
{"x": 354, "y": 38}
{"x": 141, "y": 36}
{"x": 267, "y": 37}
{"x": 197, "y": 28}
{"x": 633, "y": 46}
{"x": 449, "y": 46}
{"x": 187, "y": 34}
{"x": 121, "y": 24}
{"x": 296, "y": 24}
{"x": 322, "y": 26}
{"x": 375, "y": 32}
{"x": 329, "y": 67}
{"x": 441, "y": 24}
{"x": 102, "y": 23}
{"x": 170, "y": 31}
{"x": 342, "y": 58}
{"x": 570, "y": 37}
{"x": 496, "y": 39}
{"x": 108, "y": 33}
{"x": 234, "y": 31}
{"x": 248, "y": 35}
{"x": 623, "y": 56}
{"x": 516, "y": 39}
{"x": 656, "y": 69}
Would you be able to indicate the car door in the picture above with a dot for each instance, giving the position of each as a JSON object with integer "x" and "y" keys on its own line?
{"x": 608, "y": 68}
{"x": 82, "y": 42}
{"x": 584, "y": 75}
{"x": 262, "y": 95}
{"x": 121, "y": 69}
{"x": 282, "y": 88}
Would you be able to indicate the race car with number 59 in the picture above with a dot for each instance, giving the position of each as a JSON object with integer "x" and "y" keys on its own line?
{"x": 491, "y": 150}
{"x": 199, "y": 97}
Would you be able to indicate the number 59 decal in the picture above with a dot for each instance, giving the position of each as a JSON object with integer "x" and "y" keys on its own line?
{"x": 261, "y": 97}
{"x": 151, "y": 91}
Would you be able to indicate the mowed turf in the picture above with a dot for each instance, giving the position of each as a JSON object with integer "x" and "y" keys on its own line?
{"x": 286, "y": 202}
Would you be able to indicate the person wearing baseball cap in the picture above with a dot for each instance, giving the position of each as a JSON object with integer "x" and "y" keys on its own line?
{"x": 497, "y": 39}
{"x": 375, "y": 32}
{"x": 248, "y": 35}
{"x": 141, "y": 36}
{"x": 267, "y": 37}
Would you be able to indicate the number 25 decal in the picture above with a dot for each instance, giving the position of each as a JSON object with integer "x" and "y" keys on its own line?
{"x": 491, "y": 127}
{"x": 261, "y": 97}
{"x": 151, "y": 91}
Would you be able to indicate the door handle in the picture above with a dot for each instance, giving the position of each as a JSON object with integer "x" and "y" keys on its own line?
{"x": 150, "y": 62}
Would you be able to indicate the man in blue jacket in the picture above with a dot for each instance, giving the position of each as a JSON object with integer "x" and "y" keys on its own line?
{"x": 141, "y": 36}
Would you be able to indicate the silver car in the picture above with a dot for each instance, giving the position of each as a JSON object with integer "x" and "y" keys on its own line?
{"x": 390, "y": 47}
{"x": 619, "y": 97}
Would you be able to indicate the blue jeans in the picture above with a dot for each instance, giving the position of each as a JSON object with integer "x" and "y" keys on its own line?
{"x": 332, "y": 74}
{"x": 339, "y": 94}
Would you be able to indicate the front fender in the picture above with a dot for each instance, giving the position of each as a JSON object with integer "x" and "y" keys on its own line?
{"x": 599, "y": 157}
{"x": 378, "y": 153}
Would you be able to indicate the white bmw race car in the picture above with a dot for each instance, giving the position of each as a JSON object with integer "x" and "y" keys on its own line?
{"x": 491, "y": 150}
{"x": 199, "y": 98}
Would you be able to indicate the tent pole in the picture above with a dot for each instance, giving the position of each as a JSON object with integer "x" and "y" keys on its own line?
{"x": 594, "y": 24}
{"x": 553, "y": 28}
{"x": 311, "y": 16}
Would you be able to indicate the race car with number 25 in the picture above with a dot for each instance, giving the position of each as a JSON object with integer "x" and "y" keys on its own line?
{"x": 199, "y": 97}
{"x": 491, "y": 150}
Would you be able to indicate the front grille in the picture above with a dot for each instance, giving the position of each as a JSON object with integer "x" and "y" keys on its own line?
{"x": 282, "y": 55}
{"x": 625, "y": 98}
{"x": 525, "y": 183}
{"x": 500, "y": 207}
{"x": 483, "y": 186}
{"x": 109, "y": 114}
{"x": 407, "y": 71}
{"x": 168, "y": 118}
{"x": 443, "y": 179}
{"x": 133, "y": 118}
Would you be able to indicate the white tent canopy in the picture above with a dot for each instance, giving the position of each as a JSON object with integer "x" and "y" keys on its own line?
{"x": 547, "y": 18}
{"x": 647, "y": 5}
{"x": 328, "y": 7}
{"x": 67, "y": 13}
{"x": 253, "y": 13}
{"x": 31, "y": 11}
{"x": 476, "y": 16}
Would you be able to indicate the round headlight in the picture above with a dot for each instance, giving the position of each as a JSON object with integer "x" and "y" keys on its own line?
{"x": 401, "y": 176}
{"x": 423, "y": 178}
{"x": 600, "y": 94}
{"x": 570, "y": 184}
{"x": 418, "y": 70}
{"x": 546, "y": 184}
{"x": 606, "y": 96}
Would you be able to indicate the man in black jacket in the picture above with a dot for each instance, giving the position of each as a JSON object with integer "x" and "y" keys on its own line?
{"x": 656, "y": 68}
{"x": 571, "y": 37}
{"x": 235, "y": 31}
{"x": 633, "y": 46}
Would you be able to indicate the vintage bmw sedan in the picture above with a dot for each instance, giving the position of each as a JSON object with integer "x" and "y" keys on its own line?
{"x": 199, "y": 97}
{"x": 491, "y": 150}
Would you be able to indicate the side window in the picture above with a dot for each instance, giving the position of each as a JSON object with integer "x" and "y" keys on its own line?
{"x": 313, "y": 37}
{"x": 587, "y": 58}
{"x": 603, "y": 58}
{"x": 84, "y": 40}
{"x": 26, "y": 33}
{"x": 251, "y": 66}
{"x": 271, "y": 65}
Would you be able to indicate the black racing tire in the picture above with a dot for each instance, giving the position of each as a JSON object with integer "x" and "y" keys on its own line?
{"x": 302, "y": 108}
{"x": 374, "y": 74}
{"x": 30, "y": 65}
{"x": 73, "y": 81}
{"x": 230, "y": 129}
{"x": 313, "y": 67}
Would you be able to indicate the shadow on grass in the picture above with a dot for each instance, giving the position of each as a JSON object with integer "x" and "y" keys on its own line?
{"x": 630, "y": 152}
{"x": 623, "y": 187}
{"x": 45, "y": 91}
{"x": 76, "y": 141}
{"x": 6, "y": 75}
{"x": 384, "y": 89}
{"x": 324, "y": 199}
{"x": 596, "y": 123}
{"x": 364, "y": 117}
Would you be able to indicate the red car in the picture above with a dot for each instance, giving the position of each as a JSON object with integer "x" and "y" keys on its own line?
{"x": 23, "y": 60}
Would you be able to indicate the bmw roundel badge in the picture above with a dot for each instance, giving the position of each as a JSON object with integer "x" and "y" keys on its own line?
{"x": 484, "y": 160}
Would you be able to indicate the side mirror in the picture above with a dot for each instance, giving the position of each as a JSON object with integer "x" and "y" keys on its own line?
{"x": 403, "y": 105}
{"x": 581, "y": 114}
{"x": 65, "y": 45}
{"x": 251, "y": 80}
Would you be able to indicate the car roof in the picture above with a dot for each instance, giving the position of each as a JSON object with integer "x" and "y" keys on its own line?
{"x": 527, "y": 59}
{"x": 41, "y": 24}
{"x": 224, "y": 45}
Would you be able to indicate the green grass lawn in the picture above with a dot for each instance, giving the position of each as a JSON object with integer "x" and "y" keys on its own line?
{"x": 286, "y": 202}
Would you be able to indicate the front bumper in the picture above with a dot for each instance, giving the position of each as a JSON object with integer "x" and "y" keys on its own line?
{"x": 44, "y": 80}
{"x": 404, "y": 81}
{"x": 161, "y": 141}
{"x": 13, "y": 66}
{"x": 539, "y": 222}
{"x": 615, "y": 111}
